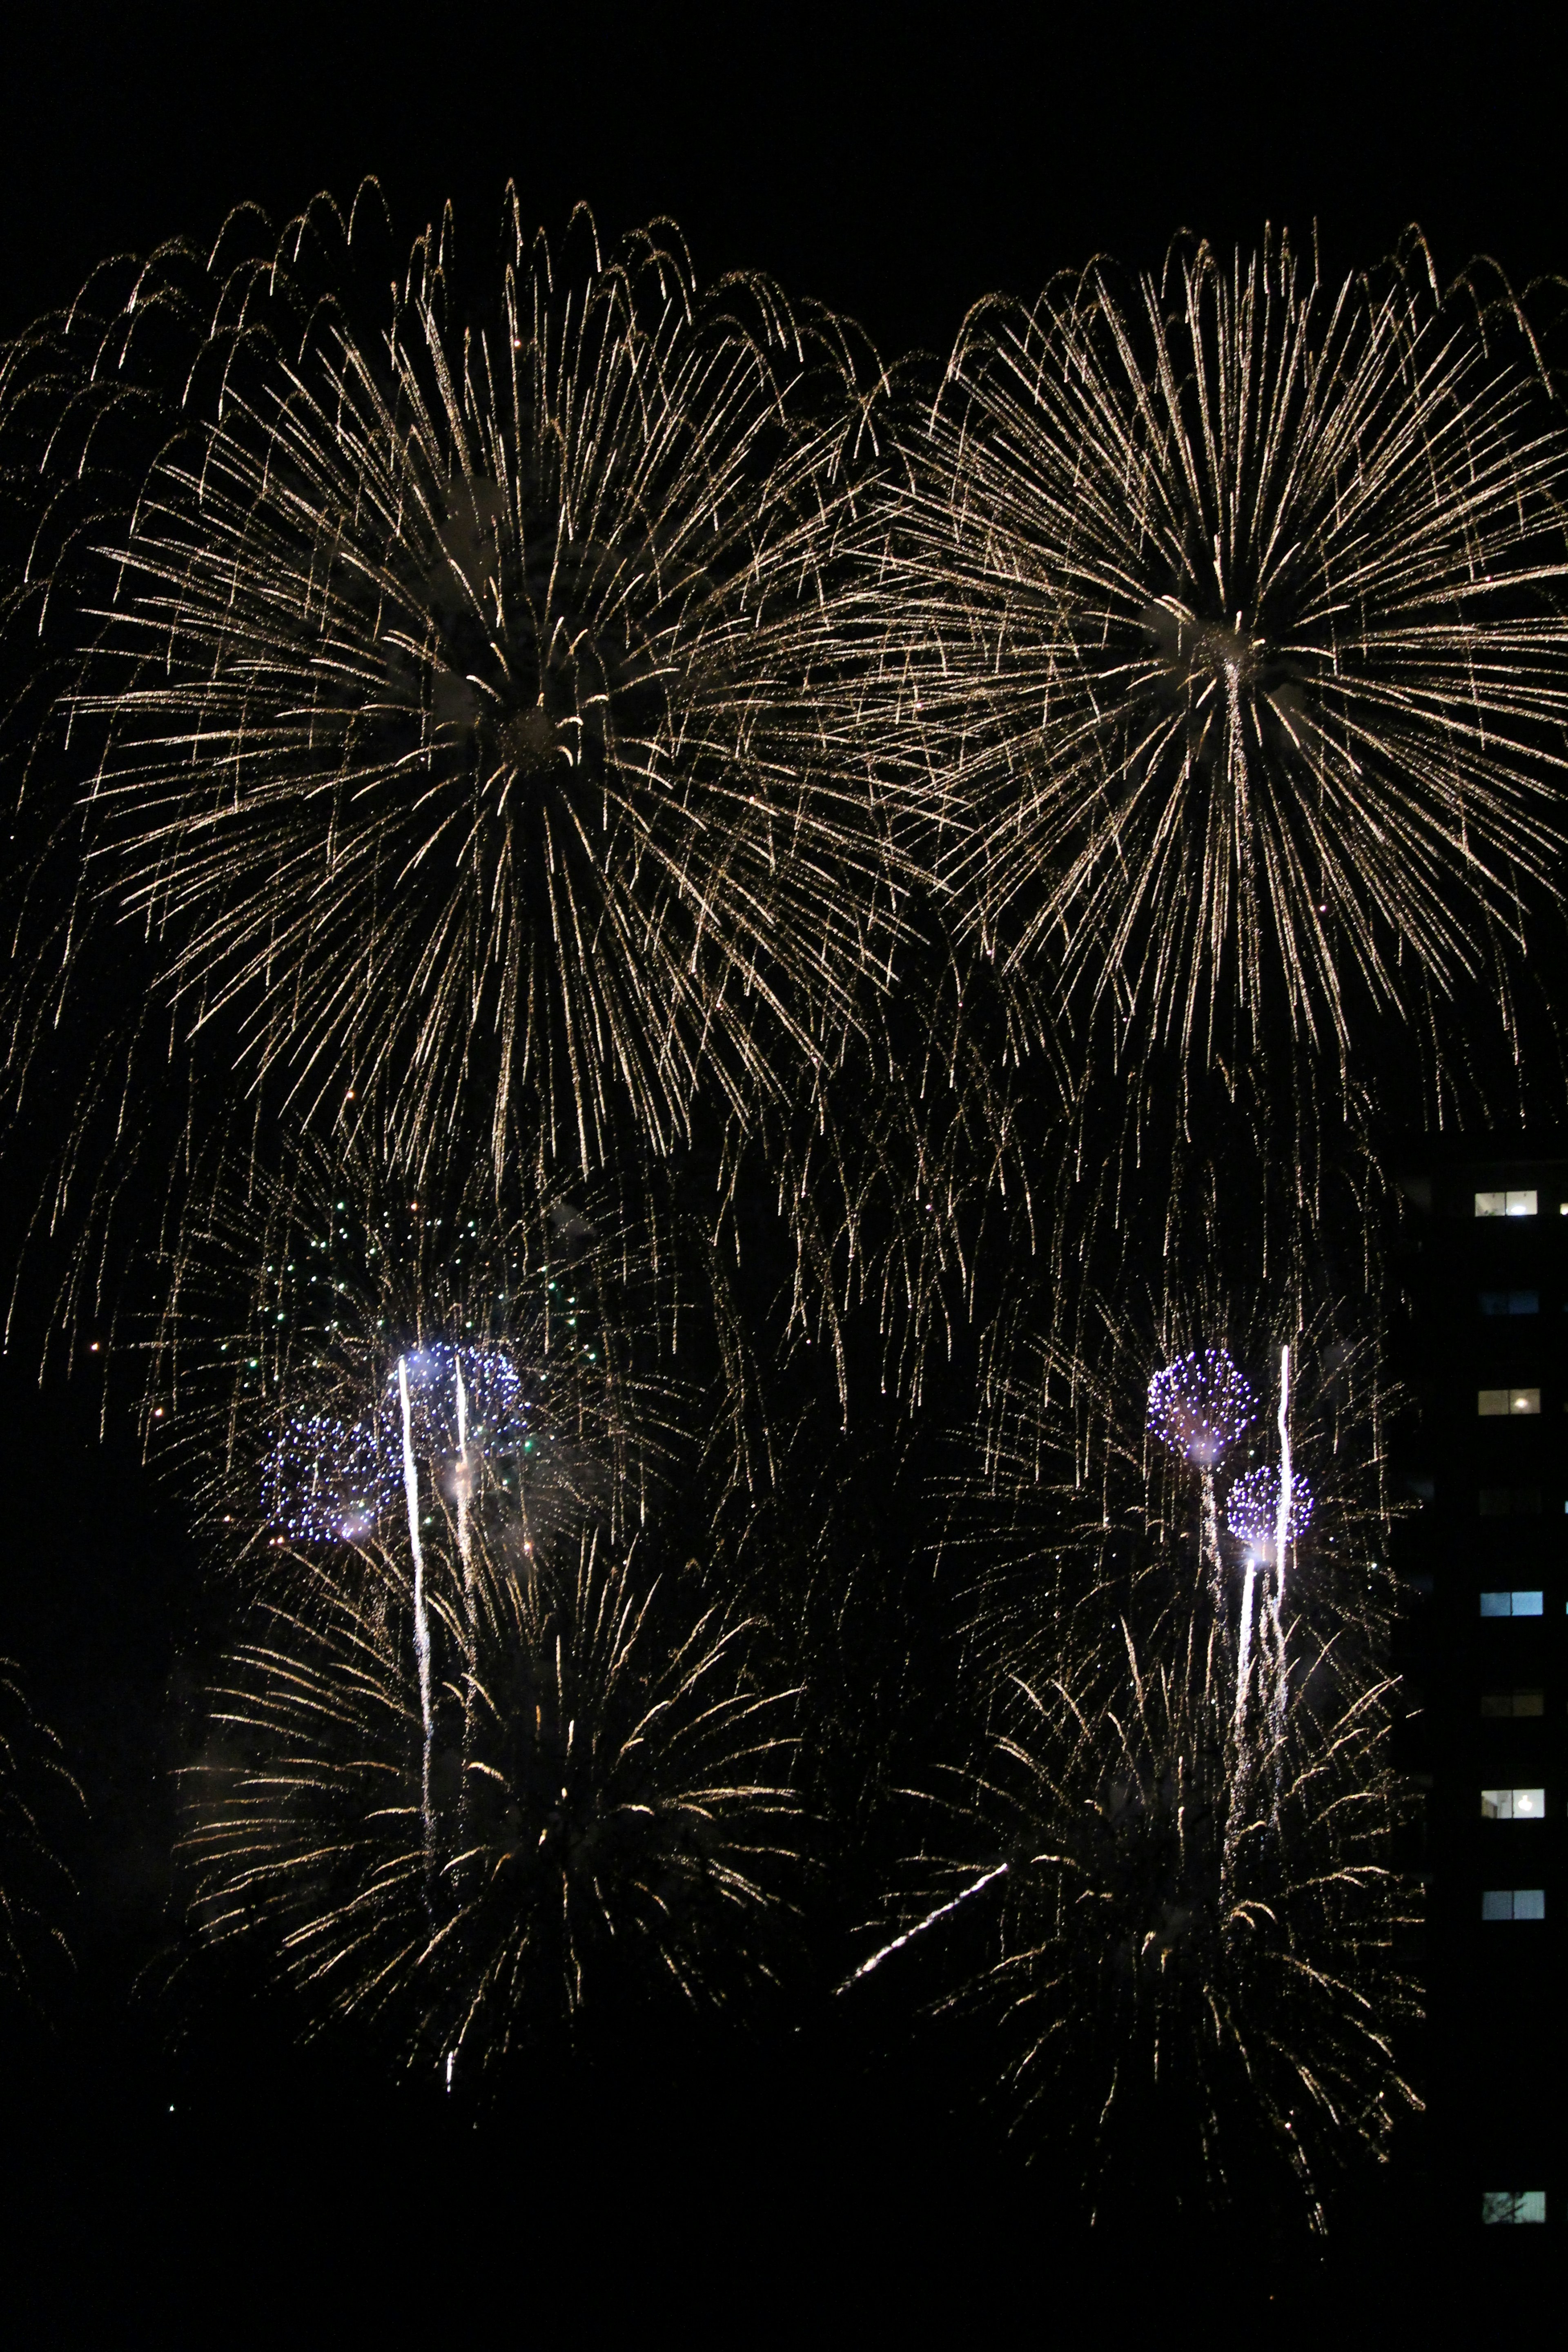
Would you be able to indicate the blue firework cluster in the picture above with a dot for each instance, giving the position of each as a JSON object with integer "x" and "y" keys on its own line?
{"x": 1252, "y": 1506}
{"x": 498, "y": 1418}
{"x": 329, "y": 1480}
{"x": 1200, "y": 1405}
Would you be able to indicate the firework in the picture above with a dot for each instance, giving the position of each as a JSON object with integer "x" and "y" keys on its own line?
{"x": 1236, "y": 631}
{"x": 1191, "y": 1978}
{"x": 1178, "y": 1913}
{"x": 1199, "y": 1406}
{"x": 319, "y": 1330}
{"x": 1252, "y": 1508}
{"x": 594, "y": 1794}
{"x": 329, "y": 1480}
{"x": 438, "y": 754}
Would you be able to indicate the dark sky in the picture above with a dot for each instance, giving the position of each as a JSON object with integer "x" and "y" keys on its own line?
{"x": 894, "y": 166}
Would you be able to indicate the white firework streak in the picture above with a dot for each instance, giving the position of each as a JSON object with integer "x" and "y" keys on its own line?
{"x": 1281, "y": 1538}
{"x": 1209, "y": 1542}
{"x": 921, "y": 1926}
{"x": 421, "y": 1622}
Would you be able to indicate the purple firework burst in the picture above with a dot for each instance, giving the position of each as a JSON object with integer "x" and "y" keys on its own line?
{"x": 1252, "y": 1508}
{"x": 1200, "y": 1405}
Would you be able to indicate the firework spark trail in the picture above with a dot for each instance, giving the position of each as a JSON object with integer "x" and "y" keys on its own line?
{"x": 1281, "y": 1540}
{"x": 463, "y": 1477}
{"x": 463, "y": 1485}
{"x": 943, "y": 1911}
{"x": 421, "y": 1620}
{"x": 1244, "y": 1649}
{"x": 35, "y": 1883}
{"x": 1208, "y": 1540}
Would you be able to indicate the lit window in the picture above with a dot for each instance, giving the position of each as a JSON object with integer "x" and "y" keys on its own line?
{"x": 1513, "y": 2205}
{"x": 1514, "y": 1903}
{"x": 1511, "y": 1604}
{"x": 1513, "y": 1804}
{"x": 1491, "y": 1402}
{"x": 1514, "y": 1702}
{"x": 1510, "y": 1302}
{"x": 1505, "y": 1204}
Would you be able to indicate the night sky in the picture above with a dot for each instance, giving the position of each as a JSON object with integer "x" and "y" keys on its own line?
{"x": 893, "y": 173}
{"x": 895, "y": 168}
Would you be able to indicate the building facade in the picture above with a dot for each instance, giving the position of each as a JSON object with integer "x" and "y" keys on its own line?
{"x": 1484, "y": 1345}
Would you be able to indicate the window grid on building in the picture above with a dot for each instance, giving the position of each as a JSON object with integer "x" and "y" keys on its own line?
{"x": 1513, "y": 1804}
{"x": 1494, "y": 1403}
{"x": 1508, "y": 2205}
{"x": 1513, "y": 1703}
{"x": 1513, "y": 1902}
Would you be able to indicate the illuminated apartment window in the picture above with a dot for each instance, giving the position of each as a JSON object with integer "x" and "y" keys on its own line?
{"x": 1505, "y": 1502}
{"x": 1513, "y": 1804}
{"x": 1514, "y": 1903}
{"x": 1513, "y": 1604}
{"x": 1492, "y": 1402}
{"x": 1510, "y": 1302}
{"x": 1514, "y": 1702}
{"x": 1513, "y": 2205}
{"x": 1505, "y": 1204}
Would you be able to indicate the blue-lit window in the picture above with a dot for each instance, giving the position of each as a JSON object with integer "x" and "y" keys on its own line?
{"x": 1513, "y": 2205}
{"x": 1513, "y": 1604}
{"x": 1514, "y": 1903}
{"x": 1510, "y": 1302}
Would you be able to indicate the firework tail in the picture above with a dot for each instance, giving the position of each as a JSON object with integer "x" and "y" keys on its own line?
{"x": 464, "y": 1482}
{"x": 1281, "y": 1538}
{"x": 466, "y": 1552}
{"x": 943, "y": 1911}
{"x": 1241, "y": 1758}
{"x": 1209, "y": 1544}
{"x": 421, "y": 1624}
